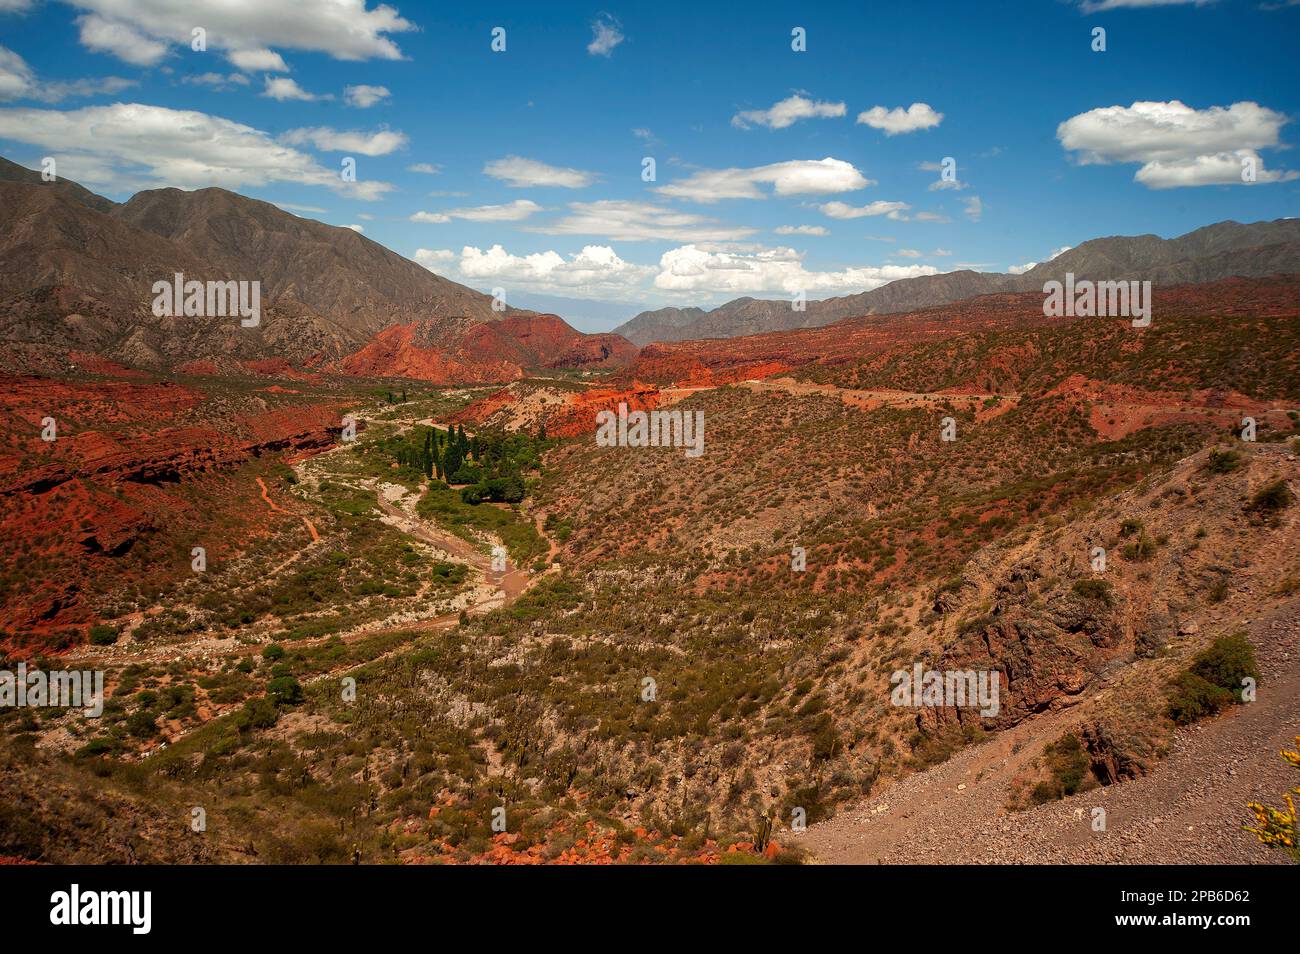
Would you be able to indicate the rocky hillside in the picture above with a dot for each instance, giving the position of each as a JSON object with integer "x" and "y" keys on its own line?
{"x": 1211, "y": 253}
{"x": 465, "y": 351}
{"x": 79, "y": 272}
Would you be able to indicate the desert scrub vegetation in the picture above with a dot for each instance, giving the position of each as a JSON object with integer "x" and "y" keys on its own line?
{"x": 1268, "y": 502}
{"x": 1069, "y": 770}
{"x": 1277, "y": 827}
{"x": 1215, "y": 679}
{"x": 446, "y": 507}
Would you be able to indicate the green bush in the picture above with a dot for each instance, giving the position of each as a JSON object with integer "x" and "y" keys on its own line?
{"x": 285, "y": 690}
{"x": 1271, "y": 499}
{"x": 103, "y": 635}
{"x": 1213, "y": 681}
{"x": 1223, "y": 461}
{"x": 1091, "y": 589}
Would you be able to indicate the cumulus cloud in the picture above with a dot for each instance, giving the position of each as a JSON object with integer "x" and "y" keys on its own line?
{"x": 511, "y": 212}
{"x": 16, "y": 77}
{"x": 842, "y": 210}
{"x": 596, "y": 267}
{"x": 796, "y": 177}
{"x": 974, "y": 208}
{"x": 219, "y": 81}
{"x": 606, "y": 33}
{"x": 801, "y": 230}
{"x": 132, "y": 145}
{"x": 142, "y": 32}
{"x": 1176, "y": 144}
{"x": 431, "y": 257}
{"x": 357, "y": 228}
{"x": 121, "y": 40}
{"x": 425, "y": 167}
{"x": 258, "y": 61}
{"x": 282, "y": 88}
{"x": 695, "y": 269}
{"x": 520, "y": 173}
{"x": 900, "y": 120}
{"x": 363, "y": 96}
{"x": 379, "y": 143}
{"x": 626, "y": 221}
{"x": 19, "y": 81}
{"x": 786, "y": 113}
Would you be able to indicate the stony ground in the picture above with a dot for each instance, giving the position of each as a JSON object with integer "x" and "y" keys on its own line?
{"x": 1189, "y": 810}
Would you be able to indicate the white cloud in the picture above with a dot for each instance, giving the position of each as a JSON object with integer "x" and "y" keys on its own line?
{"x": 974, "y": 208}
{"x": 379, "y": 143}
{"x": 142, "y": 31}
{"x": 520, "y": 173}
{"x": 796, "y": 177}
{"x": 932, "y": 217}
{"x": 512, "y": 212}
{"x": 120, "y": 40}
{"x": 216, "y": 80}
{"x": 1176, "y": 144}
{"x": 900, "y": 120}
{"x": 357, "y": 228}
{"x": 364, "y": 96}
{"x": 132, "y": 145}
{"x": 15, "y": 6}
{"x": 606, "y": 33}
{"x": 258, "y": 61}
{"x": 801, "y": 230}
{"x": 694, "y": 269}
{"x": 1094, "y": 6}
{"x": 909, "y": 253}
{"x": 596, "y": 267}
{"x": 282, "y": 88}
{"x": 786, "y": 113}
{"x": 18, "y": 81}
{"x": 430, "y": 257}
{"x": 425, "y": 167}
{"x": 16, "y": 77}
{"x": 625, "y": 221}
{"x": 842, "y": 210}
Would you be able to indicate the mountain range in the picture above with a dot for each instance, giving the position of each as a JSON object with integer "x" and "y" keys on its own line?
{"x": 79, "y": 269}
{"x": 1222, "y": 250}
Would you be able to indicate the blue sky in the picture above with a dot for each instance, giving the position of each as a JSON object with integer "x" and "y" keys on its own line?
{"x": 535, "y": 154}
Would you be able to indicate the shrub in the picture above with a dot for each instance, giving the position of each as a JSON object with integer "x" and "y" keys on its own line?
{"x": 273, "y": 652}
{"x": 1070, "y": 768}
{"x": 284, "y": 690}
{"x": 1223, "y": 461}
{"x": 1271, "y": 499}
{"x": 1213, "y": 681}
{"x": 103, "y": 635}
{"x": 1091, "y": 589}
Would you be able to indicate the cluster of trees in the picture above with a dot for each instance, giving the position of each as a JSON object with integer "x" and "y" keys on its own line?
{"x": 446, "y": 455}
{"x": 493, "y": 466}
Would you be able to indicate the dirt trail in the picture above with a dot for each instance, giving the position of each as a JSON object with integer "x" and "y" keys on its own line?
{"x": 315, "y": 535}
{"x": 1189, "y": 810}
